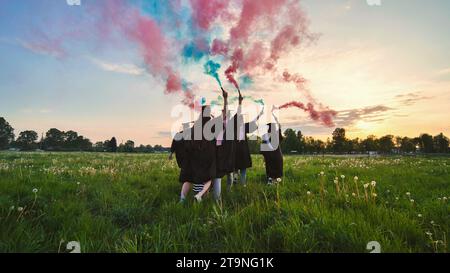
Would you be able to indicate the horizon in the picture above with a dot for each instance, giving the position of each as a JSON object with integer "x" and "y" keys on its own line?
{"x": 383, "y": 69}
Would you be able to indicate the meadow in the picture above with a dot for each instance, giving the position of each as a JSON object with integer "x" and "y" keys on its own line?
{"x": 129, "y": 203}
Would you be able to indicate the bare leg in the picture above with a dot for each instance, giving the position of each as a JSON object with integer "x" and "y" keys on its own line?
{"x": 244, "y": 177}
{"x": 217, "y": 186}
{"x": 185, "y": 190}
{"x": 230, "y": 180}
{"x": 199, "y": 195}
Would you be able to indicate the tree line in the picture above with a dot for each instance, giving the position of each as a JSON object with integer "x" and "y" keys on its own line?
{"x": 294, "y": 142}
{"x": 57, "y": 140}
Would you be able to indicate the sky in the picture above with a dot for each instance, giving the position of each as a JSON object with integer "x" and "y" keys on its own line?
{"x": 383, "y": 69}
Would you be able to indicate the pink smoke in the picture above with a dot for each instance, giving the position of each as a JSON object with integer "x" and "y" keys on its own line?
{"x": 206, "y": 11}
{"x": 236, "y": 58}
{"x": 325, "y": 116}
{"x": 219, "y": 47}
{"x": 251, "y": 12}
{"x": 297, "y": 79}
{"x": 152, "y": 43}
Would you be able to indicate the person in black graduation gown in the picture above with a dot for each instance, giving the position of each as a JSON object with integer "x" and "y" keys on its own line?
{"x": 243, "y": 160}
{"x": 225, "y": 148}
{"x": 271, "y": 150}
{"x": 202, "y": 153}
{"x": 180, "y": 147}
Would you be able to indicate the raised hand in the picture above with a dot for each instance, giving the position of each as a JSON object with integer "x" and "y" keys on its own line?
{"x": 224, "y": 93}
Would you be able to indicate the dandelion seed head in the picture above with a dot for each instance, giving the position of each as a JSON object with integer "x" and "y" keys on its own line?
{"x": 342, "y": 176}
{"x": 373, "y": 183}
{"x": 20, "y": 209}
{"x": 35, "y": 190}
{"x": 355, "y": 178}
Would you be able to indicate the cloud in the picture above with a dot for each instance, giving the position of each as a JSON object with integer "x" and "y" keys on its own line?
{"x": 52, "y": 50}
{"x": 129, "y": 69}
{"x": 42, "y": 47}
{"x": 443, "y": 72}
{"x": 347, "y": 118}
{"x": 34, "y": 111}
{"x": 164, "y": 134}
{"x": 411, "y": 98}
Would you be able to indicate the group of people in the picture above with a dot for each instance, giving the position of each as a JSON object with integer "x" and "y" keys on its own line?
{"x": 215, "y": 147}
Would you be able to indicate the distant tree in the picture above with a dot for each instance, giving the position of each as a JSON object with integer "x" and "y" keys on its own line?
{"x": 386, "y": 144}
{"x": 441, "y": 143}
{"x": 290, "y": 142}
{"x": 149, "y": 149}
{"x": 70, "y": 140}
{"x": 99, "y": 147}
{"x": 319, "y": 146}
{"x": 158, "y": 148}
{"x": 27, "y": 141}
{"x": 407, "y": 145}
{"x": 84, "y": 144}
{"x": 357, "y": 145}
{"x": 426, "y": 143}
{"x": 370, "y": 143}
{"x": 301, "y": 142}
{"x": 329, "y": 146}
{"x": 128, "y": 147}
{"x": 54, "y": 140}
{"x": 310, "y": 145}
{"x": 112, "y": 145}
{"x": 339, "y": 140}
{"x": 6, "y": 134}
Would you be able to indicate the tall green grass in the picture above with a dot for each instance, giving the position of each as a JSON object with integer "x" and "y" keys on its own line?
{"x": 129, "y": 203}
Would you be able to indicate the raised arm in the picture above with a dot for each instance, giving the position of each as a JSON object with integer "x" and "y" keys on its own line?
{"x": 275, "y": 117}
{"x": 225, "y": 101}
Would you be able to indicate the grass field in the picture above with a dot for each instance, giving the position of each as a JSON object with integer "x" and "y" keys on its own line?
{"x": 128, "y": 203}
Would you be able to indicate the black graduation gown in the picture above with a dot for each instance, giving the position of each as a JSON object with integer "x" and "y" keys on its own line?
{"x": 274, "y": 160}
{"x": 180, "y": 147}
{"x": 202, "y": 158}
{"x": 225, "y": 153}
{"x": 243, "y": 159}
